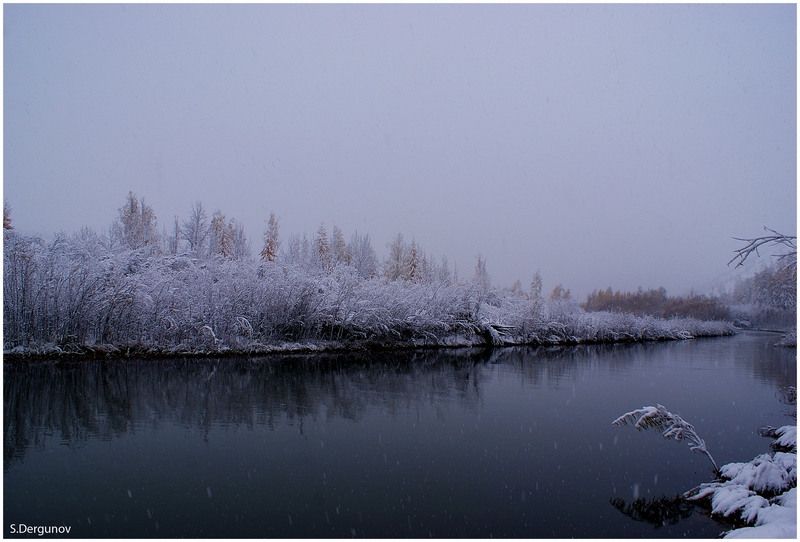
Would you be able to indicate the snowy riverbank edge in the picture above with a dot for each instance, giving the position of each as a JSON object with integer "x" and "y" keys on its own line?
{"x": 585, "y": 329}
{"x": 761, "y": 492}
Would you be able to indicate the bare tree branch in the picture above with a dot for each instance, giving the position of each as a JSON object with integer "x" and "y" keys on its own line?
{"x": 789, "y": 258}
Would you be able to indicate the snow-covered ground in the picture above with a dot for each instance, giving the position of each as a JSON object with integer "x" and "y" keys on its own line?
{"x": 761, "y": 492}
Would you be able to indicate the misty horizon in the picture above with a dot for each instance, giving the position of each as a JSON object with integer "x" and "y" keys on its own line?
{"x": 606, "y": 146}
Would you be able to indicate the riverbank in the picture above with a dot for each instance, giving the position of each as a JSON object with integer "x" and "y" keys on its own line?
{"x": 77, "y": 297}
{"x": 576, "y": 329}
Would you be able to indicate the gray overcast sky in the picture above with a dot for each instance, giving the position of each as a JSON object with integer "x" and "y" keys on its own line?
{"x": 618, "y": 146}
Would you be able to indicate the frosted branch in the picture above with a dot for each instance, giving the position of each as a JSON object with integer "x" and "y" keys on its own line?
{"x": 776, "y": 238}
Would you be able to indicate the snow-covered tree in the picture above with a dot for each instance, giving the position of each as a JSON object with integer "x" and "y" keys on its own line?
{"x": 195, "y": 230}
{"x": 323, "y": 250}
{"x": 430, "y": 269}
{"x": 135, "y": 226}
{"x": 221, "y": 236}
{"x": 241, "y": 245}
{"x": 443, "y": 273}
{"x": 395, "y": 266}
{"x": 362, "y": 256}
{"x": 21, "y": 284}
{"x": 481, "y": 276}
{"x": 536, "y": 285}
{"x": 271, "y": 240}
{"x": 339, "y": 254}
{"x": 776, "y": 288}
{"x": 560, "y": 293}
{"x": 174, "y": 238}
{"x": 769, "y": 298}
{"x": 517, "y": 289}
{"x": 560, "y": 304}
{"x": 412, "y": 268}
{"x": 298, "y": 252}
{"x": 7, "y": 217}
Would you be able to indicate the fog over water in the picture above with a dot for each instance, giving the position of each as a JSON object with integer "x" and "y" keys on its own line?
{"x": 618, "y": 146}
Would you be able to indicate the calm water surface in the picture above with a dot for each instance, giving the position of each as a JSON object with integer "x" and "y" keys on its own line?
{"x": 513, "y": 442}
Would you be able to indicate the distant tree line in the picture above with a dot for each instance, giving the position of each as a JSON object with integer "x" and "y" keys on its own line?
{"x": 656, "y": 302}
{"x": 765, "y": 300}
{"x": 136, "y": 228}
{"x": 768, "y": 298}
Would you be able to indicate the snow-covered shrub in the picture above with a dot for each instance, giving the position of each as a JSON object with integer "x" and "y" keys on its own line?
{"x": 785, "y": 437}
{"x": 761, "y": 492}
{"x": 77, "y": 292}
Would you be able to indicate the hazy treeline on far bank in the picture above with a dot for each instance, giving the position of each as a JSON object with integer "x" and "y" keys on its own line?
{"x": 764, "y": 300}
{"x": 199, "y": 289}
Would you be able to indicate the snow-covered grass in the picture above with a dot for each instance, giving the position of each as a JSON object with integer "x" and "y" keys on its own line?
{"x": 77, "y": 296}
{"x": 761, "y": 492}
{"x": 671, "y": 426}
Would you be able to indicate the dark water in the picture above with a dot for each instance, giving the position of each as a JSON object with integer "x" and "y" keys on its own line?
{"x": 471, "y": 443}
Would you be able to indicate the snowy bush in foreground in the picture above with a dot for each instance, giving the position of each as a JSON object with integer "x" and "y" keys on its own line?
{"x": 763, "y": 491}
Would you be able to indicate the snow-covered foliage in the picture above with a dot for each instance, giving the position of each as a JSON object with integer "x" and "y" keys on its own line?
{"x": 786, "y": 436}
{"x": 670, "y": 425}
{"x": 766, "y": 299}
{"x": 762, "y": 492}
{"x": 80, "y": 294}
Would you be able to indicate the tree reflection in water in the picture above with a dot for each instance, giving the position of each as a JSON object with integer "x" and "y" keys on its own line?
{"x": 659, "y": 511}
{"x": 79, "y": 400}
{"x": 105, "y": 399}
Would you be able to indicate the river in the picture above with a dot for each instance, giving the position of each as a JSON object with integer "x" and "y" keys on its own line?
{"x": 510, "y": 442}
